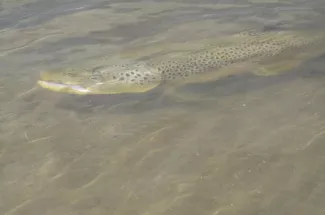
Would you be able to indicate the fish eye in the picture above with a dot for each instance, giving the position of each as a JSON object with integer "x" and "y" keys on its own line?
{"x": 97, "y": 70}
{"x": 70, "y": 74}
{"x": 96, "y": 78}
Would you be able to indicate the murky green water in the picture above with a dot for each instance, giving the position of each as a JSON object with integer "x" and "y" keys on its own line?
{"x": 258, "y": 148}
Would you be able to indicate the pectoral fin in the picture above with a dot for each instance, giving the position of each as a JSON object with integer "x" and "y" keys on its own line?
{"x": 286, "y": 61}
{"x": 214, "y": 74}
{"x": 173, "y": 91}
{"x": 171, "y": 88}
{"x": 276, "y": 68}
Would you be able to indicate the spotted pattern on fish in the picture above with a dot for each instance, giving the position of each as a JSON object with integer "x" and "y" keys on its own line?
{"x": 213, "y": 58}
{"x": 138, "y": 76}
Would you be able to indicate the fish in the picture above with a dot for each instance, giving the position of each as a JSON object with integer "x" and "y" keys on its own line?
{"x": 260, "y": 53}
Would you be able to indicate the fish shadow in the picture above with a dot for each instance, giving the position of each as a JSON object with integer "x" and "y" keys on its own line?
{"x": 154, "y": 99}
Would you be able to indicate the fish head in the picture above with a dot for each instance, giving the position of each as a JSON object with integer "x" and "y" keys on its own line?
{"x": 113, "y": 79}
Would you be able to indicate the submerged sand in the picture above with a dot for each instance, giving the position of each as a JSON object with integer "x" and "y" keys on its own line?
{"x": 256, "y": 149}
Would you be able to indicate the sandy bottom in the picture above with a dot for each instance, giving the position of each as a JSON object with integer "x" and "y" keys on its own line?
{"x": 258, "y": 148}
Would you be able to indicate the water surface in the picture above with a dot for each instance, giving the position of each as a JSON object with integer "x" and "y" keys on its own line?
{"x": 256, "y": 149}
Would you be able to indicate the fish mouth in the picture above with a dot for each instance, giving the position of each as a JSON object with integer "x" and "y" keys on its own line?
{"x": 60, "y": 87}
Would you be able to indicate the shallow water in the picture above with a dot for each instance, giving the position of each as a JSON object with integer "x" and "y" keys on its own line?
{"x": 257, "y": 148}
